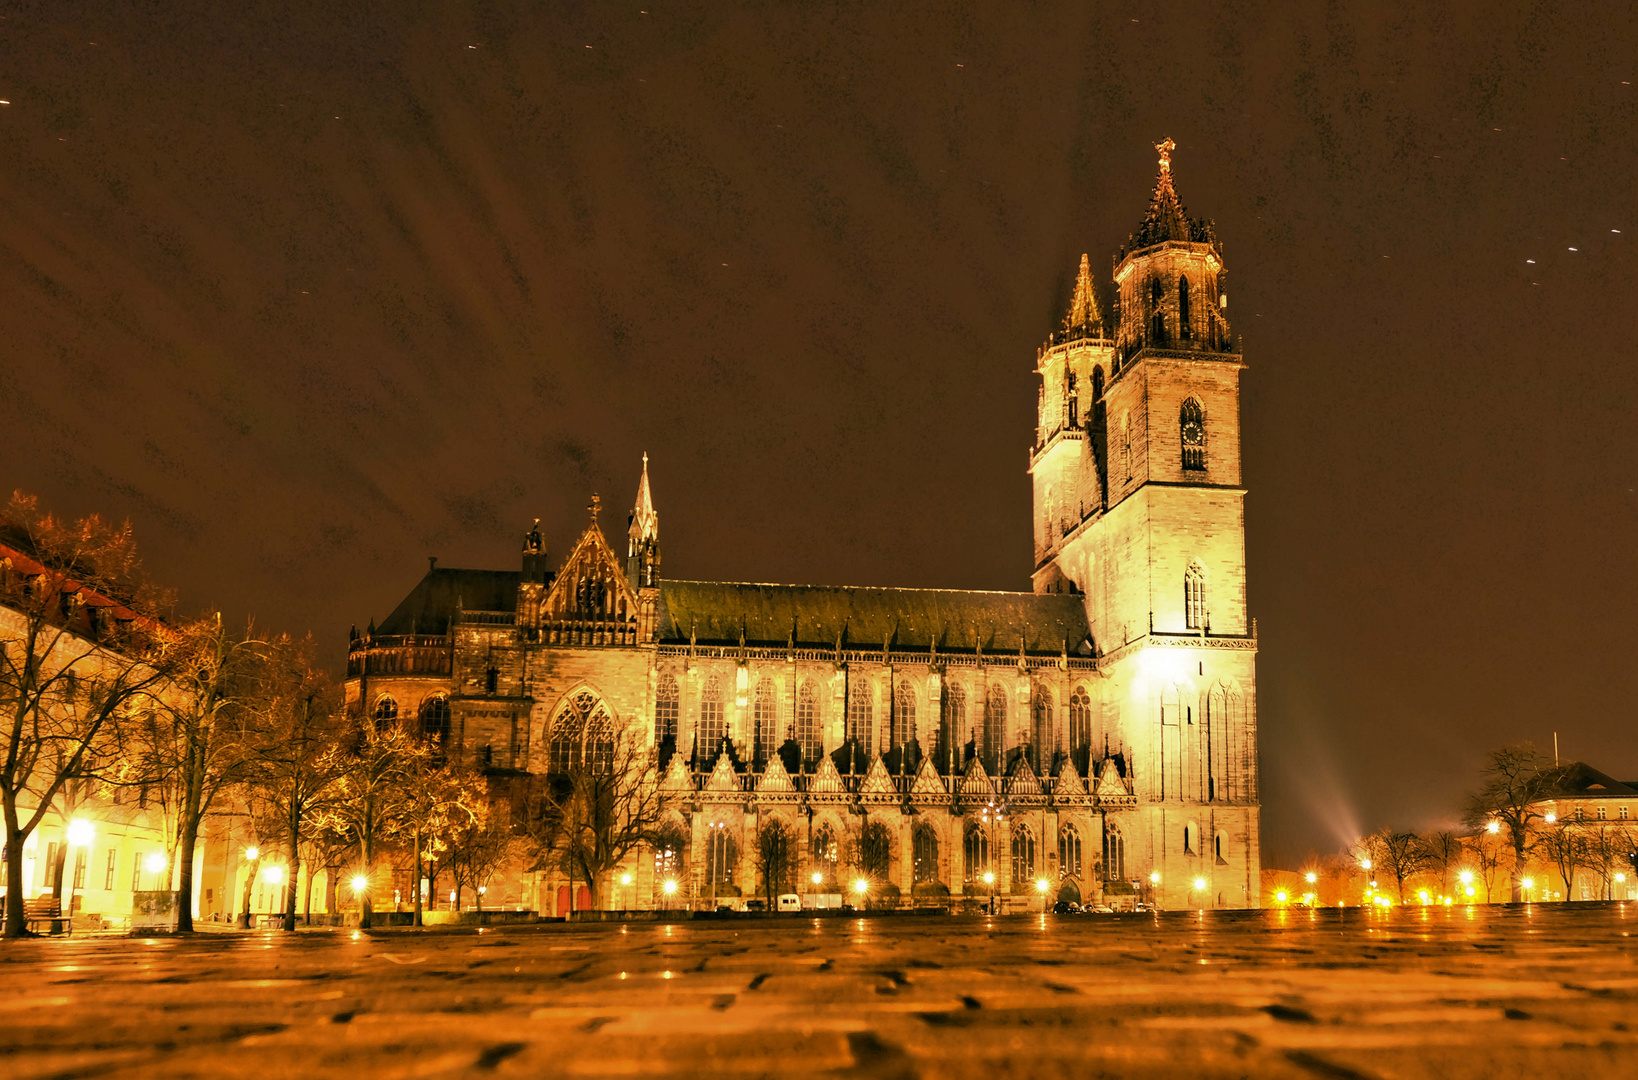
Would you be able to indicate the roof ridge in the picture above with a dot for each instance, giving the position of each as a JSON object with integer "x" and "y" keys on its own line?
{"x": 881, "y": 588}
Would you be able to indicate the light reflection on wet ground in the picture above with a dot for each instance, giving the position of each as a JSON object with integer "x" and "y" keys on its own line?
{"x": 1449, "y": 992}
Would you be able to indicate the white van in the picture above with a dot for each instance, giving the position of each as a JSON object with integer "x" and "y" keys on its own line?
{"x": 790, "y": 902}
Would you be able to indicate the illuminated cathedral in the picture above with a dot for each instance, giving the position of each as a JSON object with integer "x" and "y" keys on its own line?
{"x": 1093, "y": 739}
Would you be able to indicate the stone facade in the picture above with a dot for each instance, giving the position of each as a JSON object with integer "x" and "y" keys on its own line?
{"x": 1094, "y": 739}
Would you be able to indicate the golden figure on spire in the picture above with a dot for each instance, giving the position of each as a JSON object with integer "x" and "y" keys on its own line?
{"x": 596, "y": 505}
{"x": 1166, "y": 147}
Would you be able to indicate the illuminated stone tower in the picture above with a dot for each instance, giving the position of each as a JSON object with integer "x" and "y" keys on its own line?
{"x": 1139, "y": 506}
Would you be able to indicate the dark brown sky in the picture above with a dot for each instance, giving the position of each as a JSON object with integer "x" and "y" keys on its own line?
{"x": 311, "y": 291}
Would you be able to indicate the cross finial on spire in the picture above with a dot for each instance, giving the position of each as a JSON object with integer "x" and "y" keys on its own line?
{"x": 1165, "y": 146}
{"x": 596, "y": 505}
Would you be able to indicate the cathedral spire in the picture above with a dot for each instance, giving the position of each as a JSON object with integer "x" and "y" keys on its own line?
{"x": 1166, "y": 219}
{"x": 1084, "y": 315}
{"x": 643, "y": 535}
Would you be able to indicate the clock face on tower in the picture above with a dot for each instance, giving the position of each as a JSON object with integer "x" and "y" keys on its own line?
{"x": 1194, "y": 433}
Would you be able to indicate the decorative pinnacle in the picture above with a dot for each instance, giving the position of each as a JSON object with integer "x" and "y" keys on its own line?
{"x": 1166, "y": 147}
{"x": 596, "y": 505}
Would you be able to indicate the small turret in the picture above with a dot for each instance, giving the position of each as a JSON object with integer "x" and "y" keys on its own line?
{"x": 1084, "y": 319}
{"x": 534, "y": 555}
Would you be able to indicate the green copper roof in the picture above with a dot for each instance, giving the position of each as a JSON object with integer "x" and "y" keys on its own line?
{"x": 716, "y": 613}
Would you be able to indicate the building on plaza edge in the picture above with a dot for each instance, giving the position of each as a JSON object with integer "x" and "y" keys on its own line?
{"x": 1095, "y": 738}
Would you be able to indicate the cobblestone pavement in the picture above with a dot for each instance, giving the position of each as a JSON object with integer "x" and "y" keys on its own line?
{"x": 1480, "y": 992}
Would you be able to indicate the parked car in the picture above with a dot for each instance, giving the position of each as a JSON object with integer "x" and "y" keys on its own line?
{"x": 1066, "y": 907}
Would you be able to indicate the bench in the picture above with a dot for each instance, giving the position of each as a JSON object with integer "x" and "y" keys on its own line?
{"x": 48, "y": 910}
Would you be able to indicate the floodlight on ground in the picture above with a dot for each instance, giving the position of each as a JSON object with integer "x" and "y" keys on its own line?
{"x": 670, "y": 887}
{"x": 155, "y": 863}
{"x": 273, "y": 875}
{"x": 1041, "y": 885}
{"x": 360, "y": 883}
{"x": 253, "y": 853}
{"x": 80, "y": 832}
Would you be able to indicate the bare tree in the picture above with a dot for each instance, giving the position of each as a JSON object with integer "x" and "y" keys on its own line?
{"x": 590, "y": 812}
{"x": 444, "y": 798}
{"x": 776, "y": 858}
{"x": 1492, "y": 853}
{"x": 76, "y": 659}
{"x": 1607, "y": 847}
{"x": 1445, "y": 855}
{"x": 291, "y": 766}
{"x": 478, "y": 850}
{"x": 1516, "y": 780}
{"x": 1565, "y": 846}
{"x": 1400, "y": 855}
{"x": 374, "y": 773}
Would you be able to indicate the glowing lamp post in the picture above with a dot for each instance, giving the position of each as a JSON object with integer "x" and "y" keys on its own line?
{"x": 989, "y": 879}
{"x": 1281, "y": 896}
{"x": 1041, "y": 886}
{"x": 1493, "y": 827}
{"x": 80, "y": 834}
{"x": 1200, "y": 886}
{"x": 670, "y": 890}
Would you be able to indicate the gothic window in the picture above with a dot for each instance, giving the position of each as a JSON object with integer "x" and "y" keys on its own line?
{"x": 1126, "y": 444}
{"x": 763, "y": 719}
{"x": 1080, "y": 719}
{"x": 1042, "y": 744}
{"x": 582, "y": 736}
{"x": 668, "y": 855}
{"x": 859, "y": 713}
{"x": 807, "y": 722}
{"x": 1023, "y": 856}
{"x": 665, "y": 710}
{"x": 904, "y": 714}
{"x": 721, "y": 856}
{"x": 976, "y": 854}
{"x": 875, "y": 851}
{"x": 953, "y": 724}
{"x": 591, "y": 595}
{"x": 1114, "y": 853}
{"x": 1157, "y": 313}
{"x": 434, "y": 717}
{"x": 1183, "y": 307}
{"x": 708, "y": 735}
{"x": 995, "y": 726}
{"x": 1220, "y": 849}
{"x": 925, "y": 843}
{"x": 386, "y": 711}
{"x": 1194, "y": 597}
{"x": 1074, "y": 402}
{"x": 491, "y": 680}
{"x": 1191, "y": 839}
{"x": 1097, "y": 385}
{"x": 1069, "y": 852}
{"x": 1192, "y": 425}
{"x": 825, "y": 854}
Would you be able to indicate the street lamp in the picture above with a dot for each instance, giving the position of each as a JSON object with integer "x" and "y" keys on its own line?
{"x": 818, "y": 878}
{"x": 80, "y": 831}
{"x": 1311, "y": 877}
{"x": 1493, "y": 828}
{"x": 670, "y": 889}
{"x": 252, "y": 853}
{"x": 862, "y": 888}
{"x": 989, "y": 879}
{"x": 1280, "y": 897}
{"x": 1551, "y": 817}
{"x": 273, "y": 875}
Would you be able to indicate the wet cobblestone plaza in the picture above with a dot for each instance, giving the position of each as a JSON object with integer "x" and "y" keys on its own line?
{"x": 1451, "y": 992}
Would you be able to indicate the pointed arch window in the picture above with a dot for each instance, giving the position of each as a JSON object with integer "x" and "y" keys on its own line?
{"x": 952, "y": 726}
{"x": 1042, "y": 741}
{"x": 875, "y": 851}
{"x": 1157, "y": 312}
{"x": 708, "y": 735}
{"x": 904, "y": 715}
{"x": 1023, "y": 856}
{"x": 1192, "y": 431}
{"x": 582, "y": 736}
{"x": 925, "y": 844}
{"x": 860, "y": 713}
{"x": 386, "y": 711}
{"x": 1080, "y": 719}
{"x": 995, "y": 726}
{"x": 1183, "y": 308}
{"x": 1069, "y": 852}
{"x": 1126, "y": 445}
{"x": 807, "y": 722}
{"x": 434, "y": 717}
{"x": 1114, "y": 853}
{"x": 666, "y": 699}
{"x": 1194, "y": 597}
{"x": 763, "y": 719}
{"x": 975, "y": 850}
{"x": 721, "y": 856}
{"x": 825, "y": 853}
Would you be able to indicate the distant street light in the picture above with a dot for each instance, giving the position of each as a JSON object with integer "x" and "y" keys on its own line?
{"x": 989, "y": 879}
{"x": 360, "y": 883}
{"x": 80, "y": 832}
{"x": 273, "y": 875}
{"x": 818, "y": 878}
{"x": 252, "y": 853}
{"x": 1493, "y": 828}
{"x": 1312, "y": 877}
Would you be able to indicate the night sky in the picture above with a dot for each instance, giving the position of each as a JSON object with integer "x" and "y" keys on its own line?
{"x": 313, "y": 291}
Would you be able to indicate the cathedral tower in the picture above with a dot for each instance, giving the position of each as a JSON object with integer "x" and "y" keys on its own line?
{"x": 1139, "y": 506}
